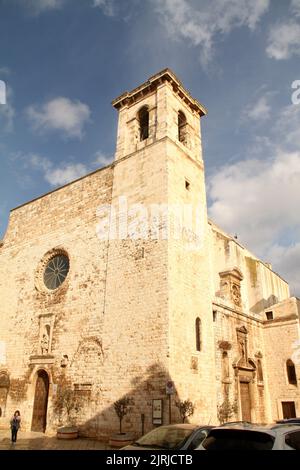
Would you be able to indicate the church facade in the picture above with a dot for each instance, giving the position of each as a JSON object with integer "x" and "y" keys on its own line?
{"x": 117, "y": 285}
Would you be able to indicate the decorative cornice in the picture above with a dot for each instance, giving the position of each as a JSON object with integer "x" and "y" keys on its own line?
{"x": 166, "y": 75}
{"x": 234, "y": 272}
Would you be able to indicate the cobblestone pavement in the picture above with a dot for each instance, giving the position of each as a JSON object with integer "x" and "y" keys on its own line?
{"x": 38, "y": 441}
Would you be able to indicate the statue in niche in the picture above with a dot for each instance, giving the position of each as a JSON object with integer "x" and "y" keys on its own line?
{"x": 236, "y": 294}
{"x": 45, "y": 344}
{"x": 242, "y": 348}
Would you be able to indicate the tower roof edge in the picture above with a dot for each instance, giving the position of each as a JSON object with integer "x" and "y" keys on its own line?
{"x": 165, "y": 75}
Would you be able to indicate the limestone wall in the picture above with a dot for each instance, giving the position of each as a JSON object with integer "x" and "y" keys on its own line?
{"x": 136, "y": 314}
{"x": 190, "y": 292}
{"x": 65, "y": 219}
{"x": 281, "y": 338}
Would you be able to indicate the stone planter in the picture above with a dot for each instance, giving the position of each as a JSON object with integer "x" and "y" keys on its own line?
{"x": 67, "y": 432}
{"x": 121, "y": 440}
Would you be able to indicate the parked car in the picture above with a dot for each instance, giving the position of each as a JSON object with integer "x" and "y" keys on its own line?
{"x": 254, "y": 437}
{"x": 236, "y": 423}
{"x": 289, "y": 421}
{"x": 172, "y": 437}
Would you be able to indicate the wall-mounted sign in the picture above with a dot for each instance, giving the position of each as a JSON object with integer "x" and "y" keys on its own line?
{"x": 170, "y": 389}
{"x": 157, "y": 411}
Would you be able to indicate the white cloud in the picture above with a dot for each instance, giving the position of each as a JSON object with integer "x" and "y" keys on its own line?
{"x": 56, "y": 175}
{"x": 282, "y": 134}
{"x": 4, "y": 71}
{"x": 258, "y": 199}
{"x": 199, "y": 23}
{"x": 39, "y": 6}
{"x": 60, "y": 114}
{"x": 286, "y": 127}
{"x": 101, "y": 159}
{"x": 287, "y": 264}
{"x": 107, "y": 6}
{"x": 7, "y": 112}
{"x": 259, "y": 111}
{"x": 284, "y": 40}
{"x": 295, "y": 7}
{"x": 35, "y": 162}
{"x": 2, "y": 92}
{"x": 65, "y": 173}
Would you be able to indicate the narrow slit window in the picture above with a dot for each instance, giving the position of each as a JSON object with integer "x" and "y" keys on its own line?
{"x": 143, "y": 118}
{"x": 260, "y": 376}
{"x": 225, "y": 365}
{"x": 198, "y": 334}
{"x": 182, "y": 127}
{"x": 291, "y": 372}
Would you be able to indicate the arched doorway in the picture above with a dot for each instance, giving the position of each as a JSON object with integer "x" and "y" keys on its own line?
{"x": 39, "y": 416}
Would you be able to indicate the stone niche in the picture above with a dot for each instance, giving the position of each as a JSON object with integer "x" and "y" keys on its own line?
{"x": 46, "y": 333}
{"x": 230, "y": 286}
{"x": 43, "y": 349}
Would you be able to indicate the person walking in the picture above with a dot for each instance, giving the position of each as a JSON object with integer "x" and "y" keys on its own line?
{"x": 15, "y": 423}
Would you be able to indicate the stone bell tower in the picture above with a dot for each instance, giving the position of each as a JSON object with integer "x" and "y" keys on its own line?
{"x": 158, "y": 282}
{"x": 160, "y": 108}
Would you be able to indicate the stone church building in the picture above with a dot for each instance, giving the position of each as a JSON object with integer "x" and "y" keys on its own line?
{"x": 118, "y": 285}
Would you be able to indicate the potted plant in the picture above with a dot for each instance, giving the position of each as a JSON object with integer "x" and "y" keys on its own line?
{"x": 67, "y": 405}
{"x": 186, "y": 408}
{"x": 122, "y": 407}
{"x": 226, "y": 410}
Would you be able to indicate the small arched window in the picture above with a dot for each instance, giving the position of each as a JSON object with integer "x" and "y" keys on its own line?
{"x": 198, "y": 334}
{"x": 143, "y": 118}
{"x": 291, "y": 372}
{"x": 182, "y": 127}
{"x": 260, "y": 376}
{"x": 225, "y": 365}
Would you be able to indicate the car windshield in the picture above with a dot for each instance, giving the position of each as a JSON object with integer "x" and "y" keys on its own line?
{"x": 227, "y": 439}
{"x": 164, "y": 437}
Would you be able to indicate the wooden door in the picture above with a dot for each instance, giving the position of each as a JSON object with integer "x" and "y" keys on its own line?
{"x": 245, "y": 401}
{"x": 288, "y": 409}
{"x": 39, "y": 417}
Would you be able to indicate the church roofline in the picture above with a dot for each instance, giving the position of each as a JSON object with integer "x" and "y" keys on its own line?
{"x": 164, "y": 75}
{"x": 231, "y": 238}
{"x": 112, "y": 164}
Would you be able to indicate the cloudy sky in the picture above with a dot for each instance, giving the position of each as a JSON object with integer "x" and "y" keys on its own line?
{"x": 63, "y": 61}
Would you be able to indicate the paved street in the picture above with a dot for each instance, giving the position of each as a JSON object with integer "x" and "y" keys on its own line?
{"x": 38, "y": 441}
